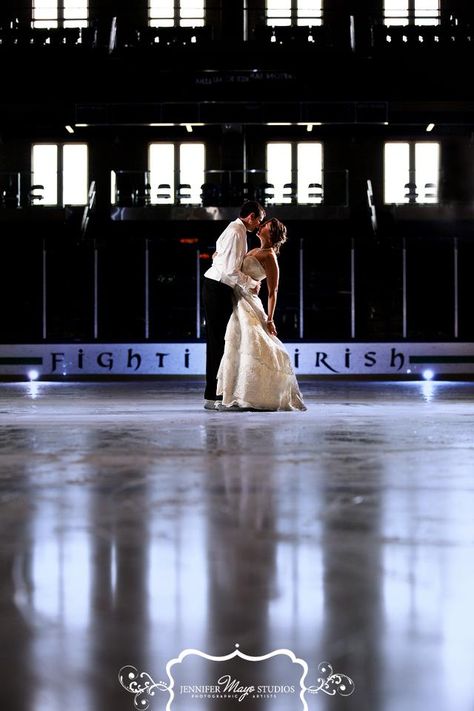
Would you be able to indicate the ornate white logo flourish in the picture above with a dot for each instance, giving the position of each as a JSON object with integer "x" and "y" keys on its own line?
{"x": 142, "y": 686}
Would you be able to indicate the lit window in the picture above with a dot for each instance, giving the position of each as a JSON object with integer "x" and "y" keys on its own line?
{"x": 161, "y": 13}
{"x": 308, "y": 12}
{"x": 303, "y": 160}
{"x": 60, "y": 13}
{"x": 310, "y": 172}
{"x": 161, "y": 170}
{"x": 397, "y": 171}
{"x": 427, "y": 12}
{"x": 278, "y": 12}
{"x": 411, "y": 172}
{"x": 60, "y": 170}
{"x": 426, "y": 171}
{"x": 174, "y": 164}
{"x": 191, "y": 13}
{"x": 396, "y": 12}
{"x": 44, "y": 168}
{"x": 279, "y": 165}
{"x": 418, "y": 12}
{"x": 75, "y": 174}
{"x": 45, "y": 13}
{"x": 191, "y": 168}
{"x": 75, "y": 13}
{"x": 291, "y": 12}
{"x": 173, "y": 13}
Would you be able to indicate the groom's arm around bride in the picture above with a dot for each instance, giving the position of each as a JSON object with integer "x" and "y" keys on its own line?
{"x": 219, "y": 281}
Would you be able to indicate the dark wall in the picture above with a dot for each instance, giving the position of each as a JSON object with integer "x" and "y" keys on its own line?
{"x": 362, "y": 94}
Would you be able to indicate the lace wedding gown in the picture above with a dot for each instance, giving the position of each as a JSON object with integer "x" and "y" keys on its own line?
{"x": 255, "y": 371}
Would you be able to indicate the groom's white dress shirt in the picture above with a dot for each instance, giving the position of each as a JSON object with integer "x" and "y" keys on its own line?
{"x": 231, "y": 248}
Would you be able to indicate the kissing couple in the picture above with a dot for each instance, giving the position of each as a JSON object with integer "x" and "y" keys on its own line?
{"x": 247, "y": 366}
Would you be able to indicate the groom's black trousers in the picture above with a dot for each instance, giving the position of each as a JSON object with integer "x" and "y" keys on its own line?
{"x": 218, "y": 304}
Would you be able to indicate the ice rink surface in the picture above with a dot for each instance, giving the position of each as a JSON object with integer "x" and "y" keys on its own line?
{"x": 135, "y": 525}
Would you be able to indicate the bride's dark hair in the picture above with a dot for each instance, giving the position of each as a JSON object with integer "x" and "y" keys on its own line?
{"x": 278, "y": 234}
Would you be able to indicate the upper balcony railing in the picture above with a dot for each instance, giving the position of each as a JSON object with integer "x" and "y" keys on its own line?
{"x": 225, "y": 188}
{"x": 221, "y": 188}
{"x": 420, "y": 32}
{"x": 107, "y": 37}
{"x": 22, "y": 190}
{"x": 50, "y": 34}
{"x": 182, "y": 25}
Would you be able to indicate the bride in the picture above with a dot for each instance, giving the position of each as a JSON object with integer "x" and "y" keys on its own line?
{"x": 255, "y": 371}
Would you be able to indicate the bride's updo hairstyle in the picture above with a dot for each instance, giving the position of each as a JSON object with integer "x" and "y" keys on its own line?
{"x": 278, "y": 234}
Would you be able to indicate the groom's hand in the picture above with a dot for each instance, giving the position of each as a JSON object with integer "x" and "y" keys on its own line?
{"x": 256, "y": 289}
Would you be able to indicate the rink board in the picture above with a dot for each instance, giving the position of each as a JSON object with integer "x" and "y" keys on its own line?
{"x": 155, "y": 359}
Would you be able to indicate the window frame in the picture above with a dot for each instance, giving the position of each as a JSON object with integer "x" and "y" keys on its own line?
{"x": 176, "y": 21}
{"x": 176, "y": 170}
{"x": 59, "y": 20}
{"x": 412, "y": 16}
{"x": 60, "y": 171}
{"x": 414, "y": 197}
{"x": 295, "y": 19}
{"x": 294, "y": 169}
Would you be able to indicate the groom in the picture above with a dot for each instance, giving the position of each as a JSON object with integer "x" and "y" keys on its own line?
{"x": 219, "y": 282}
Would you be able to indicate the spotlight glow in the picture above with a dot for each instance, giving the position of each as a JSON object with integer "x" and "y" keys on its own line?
{"x": 33, "y": 374}
{"x": 428, "y": 374}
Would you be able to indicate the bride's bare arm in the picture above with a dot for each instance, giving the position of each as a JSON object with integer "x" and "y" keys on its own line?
{"x": 273, "y": 275}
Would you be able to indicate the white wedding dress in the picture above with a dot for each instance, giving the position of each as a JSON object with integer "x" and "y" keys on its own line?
{"x": 255, "y": 371}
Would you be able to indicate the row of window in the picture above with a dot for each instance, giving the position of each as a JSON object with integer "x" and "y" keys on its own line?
{"x": 294, "y": 172}
{"x": 286, "y": 163}
{"x": 191, "y": 13}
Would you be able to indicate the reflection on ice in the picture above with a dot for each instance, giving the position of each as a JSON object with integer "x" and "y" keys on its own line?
{"x": 136, "y": 525}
